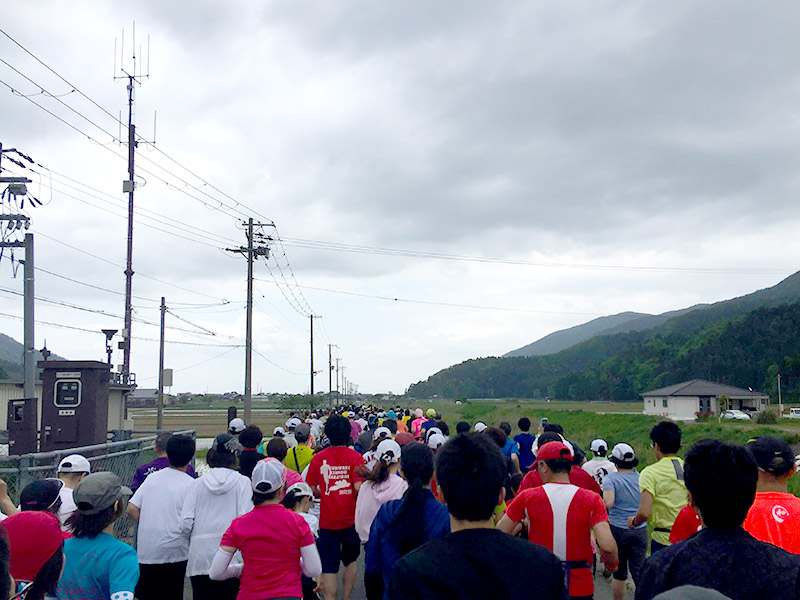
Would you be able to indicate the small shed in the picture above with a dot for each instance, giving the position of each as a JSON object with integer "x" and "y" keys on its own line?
{"x": 682, "y": 401}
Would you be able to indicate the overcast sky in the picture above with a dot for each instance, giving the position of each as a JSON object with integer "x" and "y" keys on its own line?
{"x": 602, "y": 156}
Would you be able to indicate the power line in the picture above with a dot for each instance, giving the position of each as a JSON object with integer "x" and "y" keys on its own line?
{"x": 274, "y": 364}
{"x": 447, "y": 304}
{"x": 205, "y": 183}
{"x": 213, "y": 358}
{"x": 95, "y": 332}
{"x": 221, "y": 301}
{"x": 341, "y": 247}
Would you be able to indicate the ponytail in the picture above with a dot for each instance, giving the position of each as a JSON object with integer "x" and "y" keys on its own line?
{"x": 408, "y": 526}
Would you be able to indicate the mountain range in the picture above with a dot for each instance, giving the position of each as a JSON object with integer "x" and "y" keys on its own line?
{"x": 742, "y": 341}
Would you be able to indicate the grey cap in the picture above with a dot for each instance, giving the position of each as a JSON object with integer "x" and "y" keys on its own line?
{"x": 302, "y": 432}
{"x": 99, "y": 491}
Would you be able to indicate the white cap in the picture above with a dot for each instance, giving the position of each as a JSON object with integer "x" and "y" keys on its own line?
{"x": 268, "y": 476}
{"x": 236, "y": 425}
{"x": 381, "y": 432}
{"x": 74, "y": 463}
{"x": 623, "y": 452}
{"x": 599, "y": 446}
{"x": 292, "y": 423}
{"x": 436, "y": 440}
{"x": 479, "y": 426}
{"x": 431, "y": 431}
{"x": 301, "y": 488}
{"x": 279, "y": 431}
{"x": 388, "y": 452}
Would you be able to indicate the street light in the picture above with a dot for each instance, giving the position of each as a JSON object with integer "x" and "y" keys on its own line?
{"x": 109, "y": 333}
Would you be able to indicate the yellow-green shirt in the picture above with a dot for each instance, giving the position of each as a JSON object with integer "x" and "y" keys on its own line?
{"x": 297, "y": 458}
{"x": 664, "y": 480}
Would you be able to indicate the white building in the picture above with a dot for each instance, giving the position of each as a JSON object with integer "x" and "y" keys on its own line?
{"x": 682, "y": 401}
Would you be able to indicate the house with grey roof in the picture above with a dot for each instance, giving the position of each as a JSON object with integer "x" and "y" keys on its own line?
{"x": 682, "y": 401}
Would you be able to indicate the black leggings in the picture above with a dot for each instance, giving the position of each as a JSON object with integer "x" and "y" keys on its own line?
{"x": 204, "y": 588}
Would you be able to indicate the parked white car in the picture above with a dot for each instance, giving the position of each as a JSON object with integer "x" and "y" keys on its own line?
{"x": 794, "y": 413}
{"x": 738, "y": 415}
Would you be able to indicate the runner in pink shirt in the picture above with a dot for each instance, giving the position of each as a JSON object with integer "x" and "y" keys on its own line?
{"x": 276, "y": 543}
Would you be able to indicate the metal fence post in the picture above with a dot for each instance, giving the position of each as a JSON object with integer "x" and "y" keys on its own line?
{"x": 25, "y": 474}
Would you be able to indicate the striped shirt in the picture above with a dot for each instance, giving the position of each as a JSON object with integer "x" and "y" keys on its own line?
{"x": 561, "y": 517}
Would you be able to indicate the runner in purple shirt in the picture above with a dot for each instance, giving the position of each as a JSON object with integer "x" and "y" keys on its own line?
{"x": 162, "y": 462}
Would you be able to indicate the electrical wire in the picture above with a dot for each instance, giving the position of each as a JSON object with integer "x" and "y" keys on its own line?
{"x": 274, "y": 364}
{"x": 213, "y": 358}
{"x": 447, "y": 304}
{"x": 341, "y": 247}
{"x": 221, "y": 301}
{"x": 141, "y": 339}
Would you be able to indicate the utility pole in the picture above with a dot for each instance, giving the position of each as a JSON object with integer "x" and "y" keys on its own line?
{"x": 780, "y": 401}
{"x": 250, "y": 252}
{"x": 160, "y": 418}
{"x": 311, "y": 318}
{"x": 337, "y": 378}
{"x": 313, "y": 372}
{"x": 15, "y": 223}
{"x": 128, "y": 187}
{"x": 344, "y": 382}
{"x": 29, "y": 360}
{"x": 330, "y": 375}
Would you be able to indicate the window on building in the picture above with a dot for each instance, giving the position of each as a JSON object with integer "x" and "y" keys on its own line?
{"x": 664, "y": 401}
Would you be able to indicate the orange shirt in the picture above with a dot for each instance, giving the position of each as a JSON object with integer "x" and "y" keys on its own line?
{"x": 775, "y": 518}
{"x": 401, "y": 426}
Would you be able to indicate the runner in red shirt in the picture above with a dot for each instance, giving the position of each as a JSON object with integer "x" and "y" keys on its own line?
{"x": 687, "y": 523}
{"x": 562, "y": 518}
{"x": 332, "y": 474}
{"x": 774, "y": 517}
{"x": 577, "y": 476}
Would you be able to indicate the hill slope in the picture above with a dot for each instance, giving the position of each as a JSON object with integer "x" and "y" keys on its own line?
{"x": 735, "y": 341}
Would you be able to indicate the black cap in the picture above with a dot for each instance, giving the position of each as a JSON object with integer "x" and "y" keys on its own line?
{"x": 40, "y": 494}
{"x": 772, "y": 454}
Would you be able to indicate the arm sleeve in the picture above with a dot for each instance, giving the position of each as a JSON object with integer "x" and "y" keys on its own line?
{"x": 245, "y": 499}
{"x": 608, "y": 484}
{"x": 310, "y": 562}
{"x": 516, "y": 510}
{"x": 136, "y": 499}
{"x": 373, "y": 559}
{"x": 187, "y": 512}
{"x": 221, "y": 567}
{"x": 647, "y": 482}
{"x": 137, "y": 479}
{"x": 123, "y": 574}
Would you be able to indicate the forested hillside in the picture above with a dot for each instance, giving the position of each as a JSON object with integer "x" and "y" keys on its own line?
{"x": 713, "y": 343}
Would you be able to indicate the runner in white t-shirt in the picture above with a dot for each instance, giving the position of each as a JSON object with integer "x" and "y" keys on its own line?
{"x": 599, "y": 466}
{"x": 71, "y": 470}
{"x": 163, "y": 548}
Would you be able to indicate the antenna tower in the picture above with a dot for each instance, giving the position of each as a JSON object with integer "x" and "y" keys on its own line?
{"x": 128, "y": 186}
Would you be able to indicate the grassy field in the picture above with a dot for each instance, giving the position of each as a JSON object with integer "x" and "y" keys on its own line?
{"x": 582, "y": 422}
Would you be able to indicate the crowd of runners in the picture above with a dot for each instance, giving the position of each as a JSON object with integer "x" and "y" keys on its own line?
{"x": 468, "y": 511}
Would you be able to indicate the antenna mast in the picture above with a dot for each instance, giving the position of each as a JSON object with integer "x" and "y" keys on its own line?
{"x": 128, "y": 186}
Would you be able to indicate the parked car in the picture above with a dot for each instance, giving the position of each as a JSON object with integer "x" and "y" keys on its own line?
{"x": 738, "y": 415}
{"x": 794, "y": 413}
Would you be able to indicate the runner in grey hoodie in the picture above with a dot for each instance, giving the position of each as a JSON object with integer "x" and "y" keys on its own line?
{"x": 214, "y": 500}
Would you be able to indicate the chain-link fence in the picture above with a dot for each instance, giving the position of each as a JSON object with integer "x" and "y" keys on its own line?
{"x": 122, "y": 458}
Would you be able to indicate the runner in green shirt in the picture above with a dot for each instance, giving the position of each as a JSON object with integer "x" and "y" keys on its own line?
{"x": 662, "y": 487}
